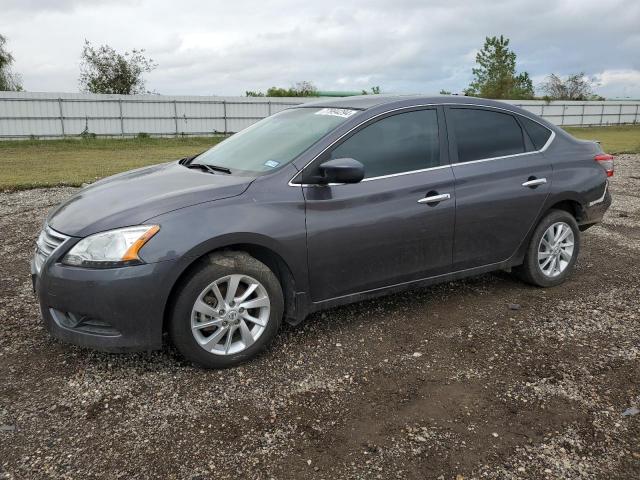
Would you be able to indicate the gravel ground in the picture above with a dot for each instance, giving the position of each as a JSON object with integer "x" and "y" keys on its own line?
{"x": 482, "y": 378}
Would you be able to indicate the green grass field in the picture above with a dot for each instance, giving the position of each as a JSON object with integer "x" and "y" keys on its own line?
{"x": 614, "y": 140}
{"x": 45, "y": 163}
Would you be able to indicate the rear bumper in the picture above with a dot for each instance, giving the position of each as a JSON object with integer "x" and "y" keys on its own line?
{"x": 113, "y": 310}
{"x": 594, "y": 211}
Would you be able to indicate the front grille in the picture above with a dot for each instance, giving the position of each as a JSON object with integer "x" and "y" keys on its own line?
{"x": 47, "y": 243}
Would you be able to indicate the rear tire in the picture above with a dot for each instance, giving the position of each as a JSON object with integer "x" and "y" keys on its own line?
{"x": 228, "y": 309}
{"x": 552, "y": 251}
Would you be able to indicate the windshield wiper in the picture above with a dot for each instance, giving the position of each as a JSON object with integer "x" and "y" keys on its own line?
{"x": 200, "y": 166}
{"x": 187, "y": 160}
{"x": 219, "y": 169}
{"x": 208, "y": 168}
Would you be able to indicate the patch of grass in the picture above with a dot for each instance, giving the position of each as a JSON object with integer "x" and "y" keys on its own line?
{"x": 614, "y": 140}
{"x": 45, "y": 163}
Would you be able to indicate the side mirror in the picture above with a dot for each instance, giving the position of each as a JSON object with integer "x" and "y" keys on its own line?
{"x": 341, "y": 170}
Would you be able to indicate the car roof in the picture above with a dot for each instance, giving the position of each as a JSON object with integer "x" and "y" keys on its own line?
{"x": 389, "y": 102}
{"x": 365, "y": 102}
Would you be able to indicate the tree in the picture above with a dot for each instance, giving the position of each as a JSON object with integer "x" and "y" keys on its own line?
{"x": 495, "y": 75}
{"x": 575, "y": 87}
{"x": 103, "y": 70}
{"x": 300, "y": 89}
{"x": 522, "y": 87}
{"x": 9, "y": 81}
{"x": 374, "y": 91}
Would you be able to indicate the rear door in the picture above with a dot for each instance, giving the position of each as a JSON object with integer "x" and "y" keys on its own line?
{"x": 502, "y": 180}
{"x": 382, "y": 231}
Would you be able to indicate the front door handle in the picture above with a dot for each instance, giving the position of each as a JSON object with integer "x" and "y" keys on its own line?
{"x": 435, "y": 198}
{"x": 534, "y": 182}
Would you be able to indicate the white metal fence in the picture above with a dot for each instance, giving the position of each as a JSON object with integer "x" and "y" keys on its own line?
{"x": 52, "y": 115}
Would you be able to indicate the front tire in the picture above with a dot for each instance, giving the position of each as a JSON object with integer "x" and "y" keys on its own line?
{"x": 228, "y": 309}
{"x": 552, "y": 251}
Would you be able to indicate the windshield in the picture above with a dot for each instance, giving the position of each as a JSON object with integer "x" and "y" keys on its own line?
{"x": 274, "y": 141}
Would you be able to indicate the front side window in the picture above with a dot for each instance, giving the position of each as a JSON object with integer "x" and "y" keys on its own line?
{"x": 274, "y": 141}
{"x": 395, "y": 144}
{"x": 484, "y": 134}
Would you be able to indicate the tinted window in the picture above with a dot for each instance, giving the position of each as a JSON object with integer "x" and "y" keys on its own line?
{"x": 485, "y": 134}
{"x": 537, "y": 133}
{"x": 396, "y": 144}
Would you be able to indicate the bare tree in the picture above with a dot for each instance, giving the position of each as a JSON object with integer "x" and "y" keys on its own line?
{"x": 103, "y": 70}
{"x": 9, "y": 81}
{"x": 575, "y": 87}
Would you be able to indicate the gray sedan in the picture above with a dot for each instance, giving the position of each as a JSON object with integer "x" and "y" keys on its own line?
{"x": 317, "y": 206}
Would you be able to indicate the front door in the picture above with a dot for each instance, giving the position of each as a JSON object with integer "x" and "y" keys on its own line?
{"x": 387, "y": 229}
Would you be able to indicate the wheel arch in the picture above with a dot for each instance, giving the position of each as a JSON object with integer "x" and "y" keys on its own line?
{"x": 265, "y": 254}
{"x": 570, "y": 203}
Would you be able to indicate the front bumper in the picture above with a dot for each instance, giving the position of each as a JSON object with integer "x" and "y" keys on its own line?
{"x": 115, "y": 310}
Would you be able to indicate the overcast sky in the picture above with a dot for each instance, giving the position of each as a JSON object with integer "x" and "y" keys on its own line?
{"x": 404, "y": 46}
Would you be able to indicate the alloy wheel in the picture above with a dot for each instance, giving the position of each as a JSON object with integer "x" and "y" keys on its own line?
{"x": 230, "y": 314}
{"x": 555, "y": 249}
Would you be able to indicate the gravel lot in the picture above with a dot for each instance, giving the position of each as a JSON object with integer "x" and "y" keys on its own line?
{"x": 483, "y": 378}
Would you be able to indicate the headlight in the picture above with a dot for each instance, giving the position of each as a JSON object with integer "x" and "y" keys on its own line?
{"x": 114, "y": 248}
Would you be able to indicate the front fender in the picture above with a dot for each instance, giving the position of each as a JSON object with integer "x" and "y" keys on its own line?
{"x": 259, "y": 217}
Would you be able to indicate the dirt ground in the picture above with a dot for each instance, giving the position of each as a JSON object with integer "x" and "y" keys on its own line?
{"x": 454, "y": 381}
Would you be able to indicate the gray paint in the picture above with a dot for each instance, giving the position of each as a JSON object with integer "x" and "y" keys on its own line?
{"x": 338, "y": 243}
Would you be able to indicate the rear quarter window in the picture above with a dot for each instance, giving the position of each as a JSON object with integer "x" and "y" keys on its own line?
{"x": 538, "y": 134}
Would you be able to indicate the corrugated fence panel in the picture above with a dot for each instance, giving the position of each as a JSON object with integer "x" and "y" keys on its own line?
{"x": 50, "y": 115}
{"x": 19, "y": 128}
{"x": 254, "y": 111}
{"x": 200, "y": 117}
{"x": 99, "y": 126}
{"x": 157, "y": 126}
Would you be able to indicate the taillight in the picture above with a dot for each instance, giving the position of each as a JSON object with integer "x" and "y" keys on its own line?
{"x": 606, "y": 161}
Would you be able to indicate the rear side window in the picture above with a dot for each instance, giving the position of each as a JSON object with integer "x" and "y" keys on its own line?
{"x": 537, "y": 133}
{"x": 485, "y": 134}
{"x": 396, "y": 144}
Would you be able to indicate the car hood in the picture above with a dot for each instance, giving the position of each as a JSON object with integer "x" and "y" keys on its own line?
{"x": 132, "y": 197}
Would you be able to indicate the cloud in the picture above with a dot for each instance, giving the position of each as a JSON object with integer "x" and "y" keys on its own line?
{"x": 415, "y": 46}
{"x": 624, "y": 81}
{"x": 39, "y": 6}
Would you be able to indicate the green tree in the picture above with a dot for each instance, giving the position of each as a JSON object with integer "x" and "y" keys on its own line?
{"x": 300, "y": 89}
{"x": 103, "y": 70}
{"x": 9, "y": 81}
{"x": 374, "y": 91}
{"x": 495, "y": 75}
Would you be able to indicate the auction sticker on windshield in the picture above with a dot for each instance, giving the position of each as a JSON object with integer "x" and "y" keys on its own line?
{"x": 271, "y": 163}
{"x": 337, "y": 112}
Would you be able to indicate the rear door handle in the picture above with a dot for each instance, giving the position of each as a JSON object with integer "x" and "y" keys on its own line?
{"x": 534, "y": 182}
{"x": 435, "y": 198}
